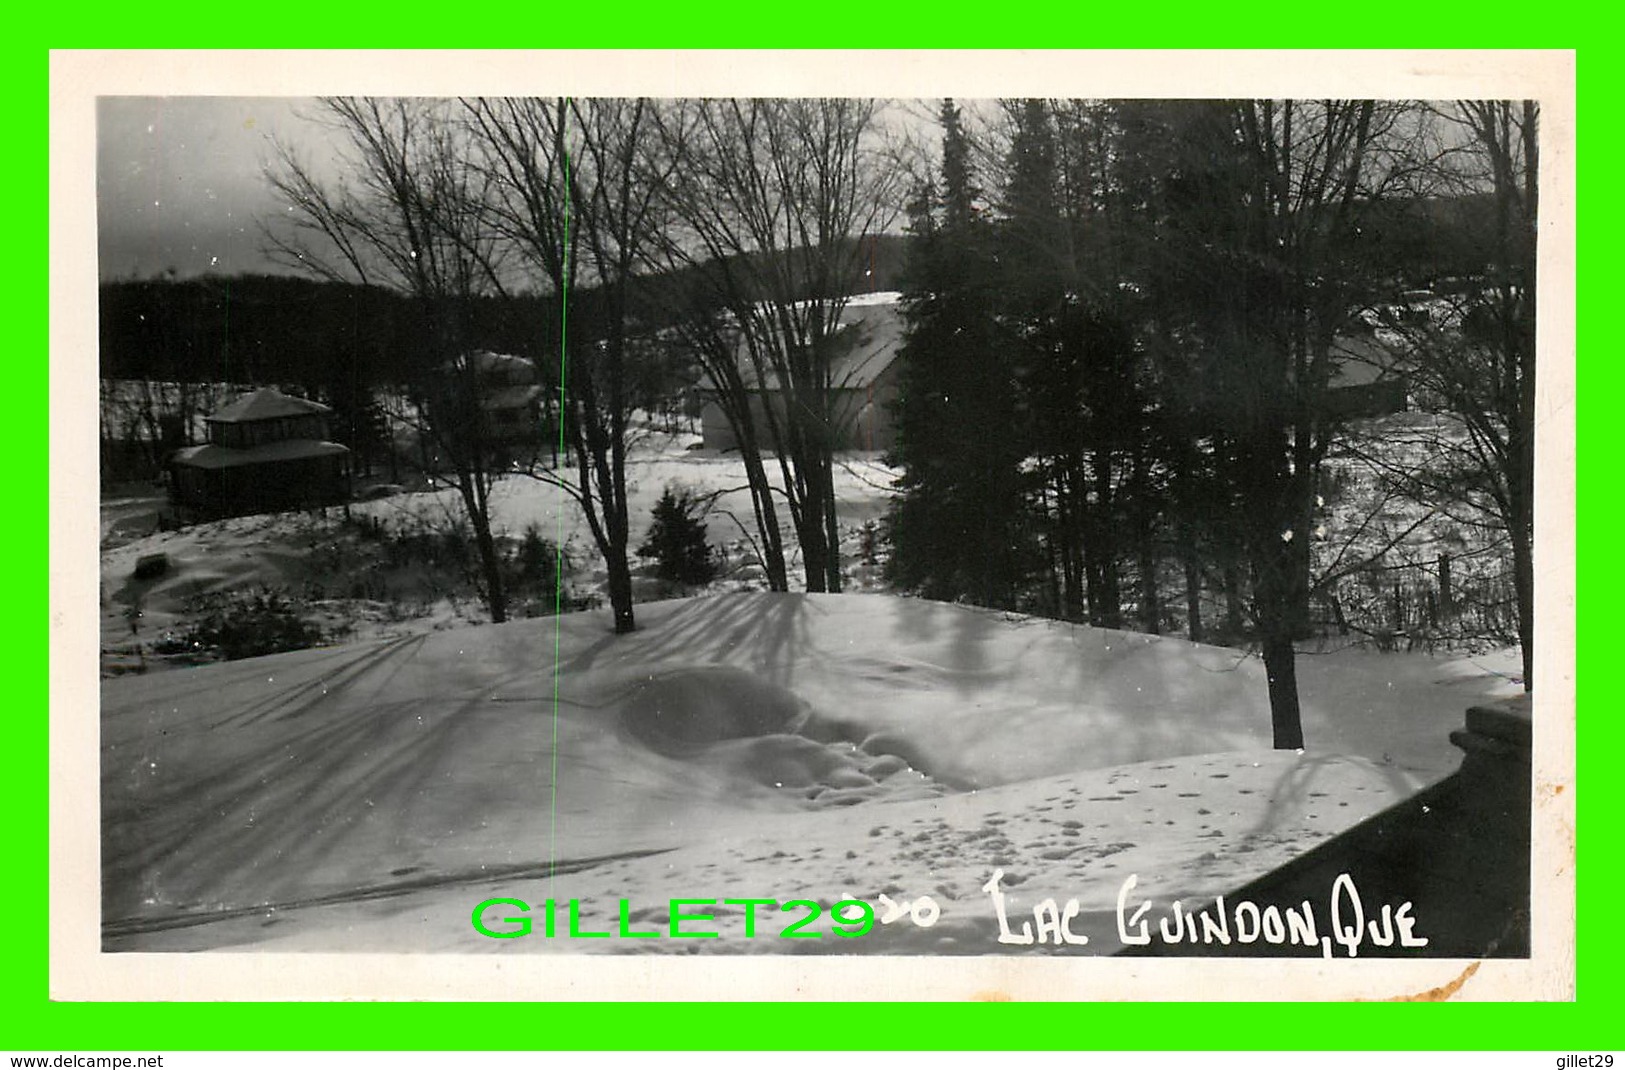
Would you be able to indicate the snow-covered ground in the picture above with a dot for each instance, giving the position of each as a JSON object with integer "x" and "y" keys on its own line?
{"x": 739, "y": 745}
{"x": 863, "y": 488}
{"x": 1387, "y": 550}
{"x": 320, "y": 561}
{"x": 747, "y": 746}
{"x": 317, "y": 558}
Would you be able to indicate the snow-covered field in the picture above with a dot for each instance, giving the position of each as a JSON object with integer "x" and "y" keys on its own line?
{"x": 863, "y": 487}
{"x": 747, "y": 746}
{"x": 314, "y": 556}
{"x": 739, "y": 745}
{"x": 320, "y": 561}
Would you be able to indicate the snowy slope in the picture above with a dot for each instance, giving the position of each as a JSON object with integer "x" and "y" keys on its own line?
{"x": 774, "y": 746}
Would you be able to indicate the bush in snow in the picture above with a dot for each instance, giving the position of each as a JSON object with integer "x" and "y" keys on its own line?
{"x": 536, "y": 560}
{"x": 151, "y": 566}
{"x": 677, "y": 539}
{"x": 245, "y": 625}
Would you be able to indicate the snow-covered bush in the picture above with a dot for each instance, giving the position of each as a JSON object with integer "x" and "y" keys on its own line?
{"x": 241, "y": 624}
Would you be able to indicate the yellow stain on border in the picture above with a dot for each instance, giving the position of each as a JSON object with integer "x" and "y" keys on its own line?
{"x": 1441, "y": 993}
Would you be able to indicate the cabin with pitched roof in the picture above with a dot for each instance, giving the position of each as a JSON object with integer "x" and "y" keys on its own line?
{"x": 267, "y": 453}
{"x": 1367, "y": 379}
{"x": 863, "y": 375}
{"x": 508, "y": 394}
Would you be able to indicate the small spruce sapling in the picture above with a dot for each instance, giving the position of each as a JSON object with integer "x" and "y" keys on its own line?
{"x": 677, "y": 540}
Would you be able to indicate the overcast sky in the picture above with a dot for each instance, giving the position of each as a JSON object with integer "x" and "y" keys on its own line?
{"x": 180, "y": 184}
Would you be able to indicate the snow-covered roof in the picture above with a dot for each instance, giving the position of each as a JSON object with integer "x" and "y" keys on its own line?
{"x": 486, "y": 362}
{"x": 865, "y": 344}
{"x": 510, "y": 397}
{"x": 1358, "y": 359}
{"x": 880, "y": 297}
{"x": 212, "y": 456}
{"x": 266, "y": 403}
{"x": 875, "y": 333}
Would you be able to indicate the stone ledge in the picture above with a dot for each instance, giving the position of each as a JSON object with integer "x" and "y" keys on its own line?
{"x": 1510, "y": 721}
{"x": 1474, "y": 743}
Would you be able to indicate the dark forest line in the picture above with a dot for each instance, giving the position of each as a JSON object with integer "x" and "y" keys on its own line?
{"x": 323, "y": 338}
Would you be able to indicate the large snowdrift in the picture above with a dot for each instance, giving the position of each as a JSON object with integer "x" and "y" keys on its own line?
{"x": 751, "y": 745}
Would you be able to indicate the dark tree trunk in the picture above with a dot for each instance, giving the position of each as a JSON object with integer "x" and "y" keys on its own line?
{"x": 767, "y": 522}
{"x": 735, "y": 404}
{"x": 1072, "y": 597}
{"x": 1109, "y": 599}
{"x": 1089, "y": 572}
{"x": 814, "y": 559}
{"x": 496, "y": 597}
{"x": 832, "y": 533}
{"x": 1280, "y": 665}
{"x": 1145, "y": 521}
{"x": 1150, "y": 598}
{"x": 620, "y": 594}
{"x": 1111, "y": 596}
{"x": 1296, "y": 608}
{"x": 1523, "y": 582}
{"x": 1274, "y": 603}
{"x": 1193, "y": 594}
{"x": 1234, "y": 622}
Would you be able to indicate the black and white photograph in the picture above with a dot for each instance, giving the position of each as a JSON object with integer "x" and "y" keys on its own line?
{"x": 1003, "y": 523}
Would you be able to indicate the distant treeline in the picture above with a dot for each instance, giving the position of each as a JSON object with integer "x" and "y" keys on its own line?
{"x": 271, "y": 329}
{"x": 328, "y": 339}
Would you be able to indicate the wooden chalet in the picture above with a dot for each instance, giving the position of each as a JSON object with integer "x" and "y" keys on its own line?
{"x": 267, "y": 453}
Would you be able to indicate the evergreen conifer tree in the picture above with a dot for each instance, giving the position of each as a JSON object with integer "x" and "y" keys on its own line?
{"x": 960, "y": 526}
{"x": 677, "y": 540}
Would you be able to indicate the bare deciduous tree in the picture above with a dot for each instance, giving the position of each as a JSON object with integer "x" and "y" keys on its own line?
{"x": 407, "y": 213}
{"x": 1472, "y": 352}
{"x": 772, "y": 201}
{"x": 577, "y": 186}
{"x": 1265, "y": 218}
